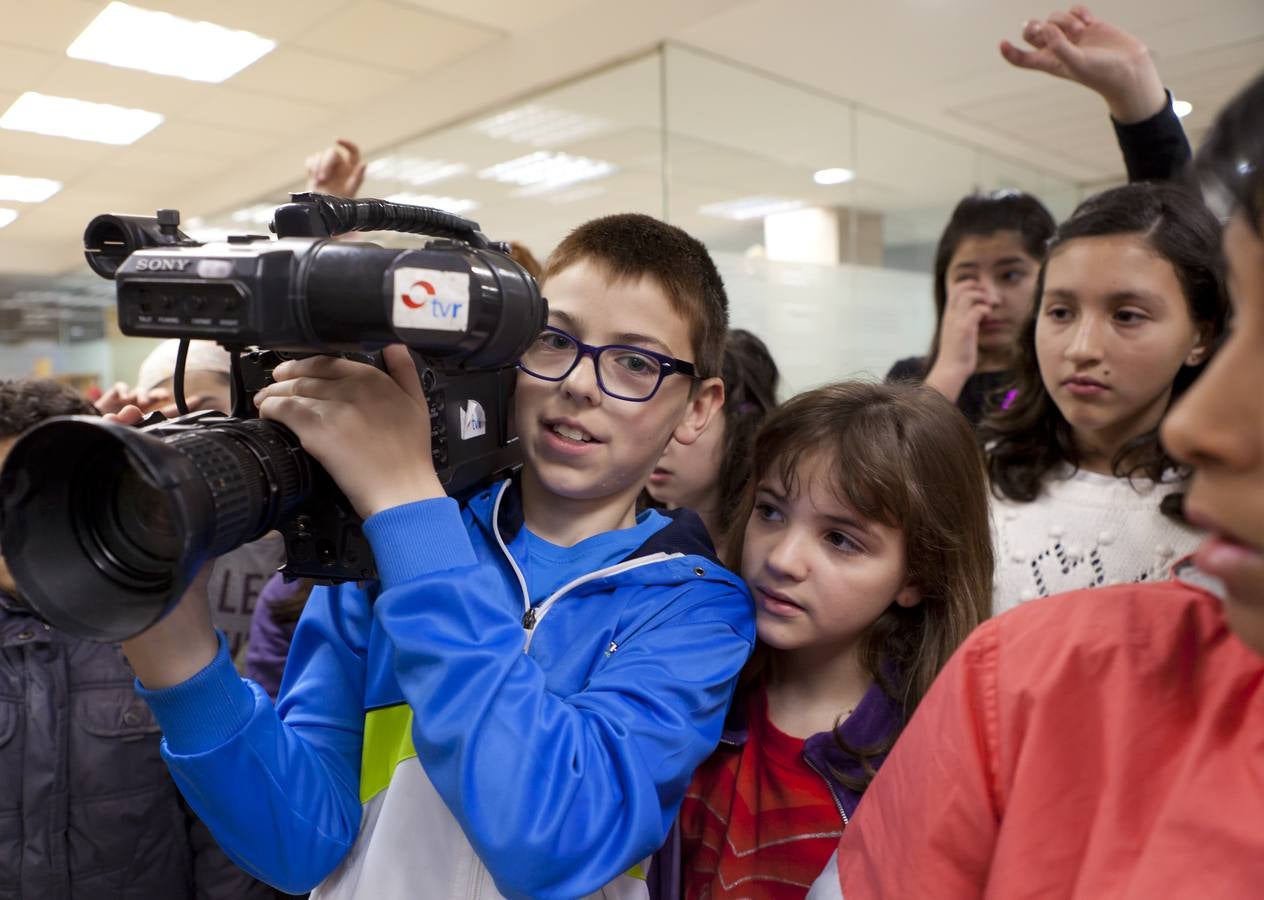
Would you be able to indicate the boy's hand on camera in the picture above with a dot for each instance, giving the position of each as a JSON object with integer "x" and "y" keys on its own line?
{"x": 1079, "y": 47}
{"x": 369, "y": 429}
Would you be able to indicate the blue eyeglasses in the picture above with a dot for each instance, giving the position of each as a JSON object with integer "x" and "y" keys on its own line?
{"x": 625, "y": 373}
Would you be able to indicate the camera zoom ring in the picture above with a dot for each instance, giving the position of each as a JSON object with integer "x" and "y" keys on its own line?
{"x": 235, "y": 481}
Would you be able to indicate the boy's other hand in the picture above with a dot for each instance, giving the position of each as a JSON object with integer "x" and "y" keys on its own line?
{"x": 370, "y": 429}
{"x": 180, "y": 644}
{"x": 1079, "y": 47}
{"x": 127, "y": 415}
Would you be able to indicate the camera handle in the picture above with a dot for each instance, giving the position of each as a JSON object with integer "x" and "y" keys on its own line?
{"x": 323, "y": 215}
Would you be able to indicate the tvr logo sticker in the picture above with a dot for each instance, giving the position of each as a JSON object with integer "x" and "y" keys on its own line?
{"x": 422, "y": 290}
{"x": 473, "y": 420}
{"x": 431, "y": 299}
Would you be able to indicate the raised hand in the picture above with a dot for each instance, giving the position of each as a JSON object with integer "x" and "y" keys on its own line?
{"x": 336, "y": 170}
{"x": 1078, "y": 46}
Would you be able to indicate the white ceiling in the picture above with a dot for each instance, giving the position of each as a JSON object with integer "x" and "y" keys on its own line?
{"x": 384, "y": 72}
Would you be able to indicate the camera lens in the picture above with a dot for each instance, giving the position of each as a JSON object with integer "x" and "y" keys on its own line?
{"x": 126, "y": 527}
{"x": 104, "y": 526}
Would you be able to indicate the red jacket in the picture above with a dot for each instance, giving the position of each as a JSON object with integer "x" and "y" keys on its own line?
{"x": 1101, "y": 744}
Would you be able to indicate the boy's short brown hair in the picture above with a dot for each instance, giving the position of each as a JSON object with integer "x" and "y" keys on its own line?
{"x": 631, "y": 246}
{"x": 26, "y": 402}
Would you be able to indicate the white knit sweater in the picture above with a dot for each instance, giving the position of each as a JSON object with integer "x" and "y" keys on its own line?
{"x": 1084, "y": 530}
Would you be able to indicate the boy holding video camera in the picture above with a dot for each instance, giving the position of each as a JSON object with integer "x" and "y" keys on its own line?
{"x": 519, "y": 705}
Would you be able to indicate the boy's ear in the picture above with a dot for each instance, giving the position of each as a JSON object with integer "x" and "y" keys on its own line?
{"x": 910, "y": 595}
{"x": 706, "y": 401}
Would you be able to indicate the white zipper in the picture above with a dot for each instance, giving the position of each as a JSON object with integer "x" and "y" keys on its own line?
{"x": 531, "y": 616}
{"x": 539, "y": 611}
{"x": 522, "y": 582}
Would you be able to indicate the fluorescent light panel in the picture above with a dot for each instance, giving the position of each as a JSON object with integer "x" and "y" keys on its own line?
{"x": 164, "y": 44}
{"x": 27, "y": 190}
{"x": 745, "y": 208}
{"x": 414, "y": 170}
{"x": 456, "y": 205}
{"x": 833, "y": 176}
{"x": 7, "y": 216}
{"x": 79, "y": 119}
{"x": 539, "y": 125}
{"x": 544, "y": 171}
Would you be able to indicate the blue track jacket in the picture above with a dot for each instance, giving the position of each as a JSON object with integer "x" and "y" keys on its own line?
{"x": 427, "y": 742}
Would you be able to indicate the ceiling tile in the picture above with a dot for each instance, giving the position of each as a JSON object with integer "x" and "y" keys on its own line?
{"x": 49, "y": 25}
{"x": 397, "y": 37}
{"x": 21, "y": 68}
{"x": 41, "y": 146}
{"x": 510, "y": 15}
{"x": 177, "y": 145}
{"x": 305, "y": 75}
{"x": 279, "y": 20}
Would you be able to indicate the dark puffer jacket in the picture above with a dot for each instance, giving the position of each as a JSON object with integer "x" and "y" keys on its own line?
{"x": 87, "y": 807}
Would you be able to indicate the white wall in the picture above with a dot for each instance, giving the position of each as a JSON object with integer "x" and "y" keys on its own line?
{"x": 829, "y": 323}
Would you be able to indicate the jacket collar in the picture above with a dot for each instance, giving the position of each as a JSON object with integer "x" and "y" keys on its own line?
{"x": 874, "y": 720}
{"x": 684, "y": 532}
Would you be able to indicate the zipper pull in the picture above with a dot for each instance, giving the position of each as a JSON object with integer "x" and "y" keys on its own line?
{"x": 528, "y": 618}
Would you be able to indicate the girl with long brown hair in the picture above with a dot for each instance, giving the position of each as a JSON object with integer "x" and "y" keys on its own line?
{"x": 867, "y": 551}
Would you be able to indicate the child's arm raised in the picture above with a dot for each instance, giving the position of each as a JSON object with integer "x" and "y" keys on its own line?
{"x": 1118, "y": 67}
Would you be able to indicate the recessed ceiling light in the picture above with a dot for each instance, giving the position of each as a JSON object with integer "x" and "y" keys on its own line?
{"x": 259, "y": 214}
{"x": 545, "y": 171}
{"x": 750, "y": 207}
{"x": 1182, "y": 108}
{"x": 539, "y": 125}
{"x": 7, "y": 216}
{"x": 164, "y": 44}
{"x": 27, "y": 190}
{"x": 833, "y": 176}
{"x": 79, "y": 119}
{"x": 414, "y": 170}
{"x": 455, "y": 205}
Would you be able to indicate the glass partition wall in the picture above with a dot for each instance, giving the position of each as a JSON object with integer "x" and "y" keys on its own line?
{"x": 821, "y": 214}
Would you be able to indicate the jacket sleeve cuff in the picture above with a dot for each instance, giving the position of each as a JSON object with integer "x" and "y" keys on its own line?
{"x": 1154, "y": 149}
{"x": 418, "y": 539}
{"x": 204, "y": 712}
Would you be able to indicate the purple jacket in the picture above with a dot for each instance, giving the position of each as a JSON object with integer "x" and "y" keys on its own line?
{"x": 269, "y": 642}
{"x": 874, "y": 720}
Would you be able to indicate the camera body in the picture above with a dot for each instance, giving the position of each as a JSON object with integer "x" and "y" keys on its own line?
{"x": 104, "y": 526}
{"x": 469, "y": 447}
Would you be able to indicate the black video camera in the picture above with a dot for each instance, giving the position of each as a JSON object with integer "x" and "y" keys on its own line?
{"x": 103, "y": 526}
